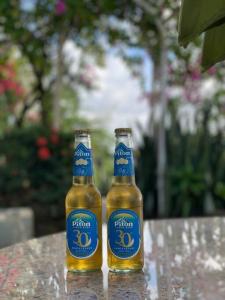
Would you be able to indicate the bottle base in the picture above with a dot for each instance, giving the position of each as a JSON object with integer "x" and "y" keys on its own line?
{"x": 83, "y": 271}
{"x": 124, "y": 271}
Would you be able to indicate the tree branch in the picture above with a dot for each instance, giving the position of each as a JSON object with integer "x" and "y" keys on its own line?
{"x": 144, "y": 5}
{"x": 27, "y": 106}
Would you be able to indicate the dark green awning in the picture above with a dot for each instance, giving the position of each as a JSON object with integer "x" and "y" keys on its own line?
{"x": 198, "y": 16}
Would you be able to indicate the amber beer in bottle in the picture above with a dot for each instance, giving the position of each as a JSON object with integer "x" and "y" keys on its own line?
{"x": 83, "y": 211}
{"x": 124, "y": 210}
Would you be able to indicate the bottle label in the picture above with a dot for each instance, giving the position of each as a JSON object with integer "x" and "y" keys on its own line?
{"x": 124, "y": 237}
{"x": 82, "y": 161}
{"x": 82, "y": 233}
{"x": 123, "y": 161}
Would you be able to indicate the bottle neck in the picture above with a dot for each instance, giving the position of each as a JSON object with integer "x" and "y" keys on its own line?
{"x": 82, "y": 161}
{"x": 123, "y": 160}
{"x": 83, "y": 180}
{"x": 123, "y": 180}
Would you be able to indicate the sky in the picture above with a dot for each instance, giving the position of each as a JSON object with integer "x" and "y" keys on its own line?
{"x": 118, "y": 99}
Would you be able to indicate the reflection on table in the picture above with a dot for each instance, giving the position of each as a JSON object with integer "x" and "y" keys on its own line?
{"x": 84, "y": 285}
{"x": 184, "y": 259}
{"x": 127, "y": 286}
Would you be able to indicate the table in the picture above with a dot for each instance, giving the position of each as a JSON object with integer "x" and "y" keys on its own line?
{"x": 184, "y": 259}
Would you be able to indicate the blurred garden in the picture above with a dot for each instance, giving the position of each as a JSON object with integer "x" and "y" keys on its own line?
{"x": 180, "y": 159}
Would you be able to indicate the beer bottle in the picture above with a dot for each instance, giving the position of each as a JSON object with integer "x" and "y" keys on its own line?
{"x": 124, "y": 210}
{"x": 83, "y": 211}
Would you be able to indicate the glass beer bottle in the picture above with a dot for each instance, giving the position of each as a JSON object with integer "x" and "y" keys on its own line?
{"x": 83, "y": 211}
{"x": 124, "y": 210}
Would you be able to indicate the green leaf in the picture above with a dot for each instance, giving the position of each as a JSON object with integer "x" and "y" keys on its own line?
{"x": 198, "y": 16}
{"x": 214, "y": 47}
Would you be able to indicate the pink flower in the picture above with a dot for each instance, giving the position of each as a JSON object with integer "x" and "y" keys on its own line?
{"x": 54, "y": 138}
{"x": 8, "y": 70}
{"x": 85, "y": 80}
{"x": 60, "y": 7}
{"x": 212, "y": 71}
{"x": 44, "y": 153}
{"x": 10, "y": 85}
{"x": 2, "y": 88}
{"x": 18, "y": 90}
{"x": 195, "y": 75}
{"x": 41, "y": 141}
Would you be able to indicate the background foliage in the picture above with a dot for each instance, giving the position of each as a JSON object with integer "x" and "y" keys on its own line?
{"x": 179, "y": 167}
{"x": 195, "y": 173}
{"x": 35, "y": 171}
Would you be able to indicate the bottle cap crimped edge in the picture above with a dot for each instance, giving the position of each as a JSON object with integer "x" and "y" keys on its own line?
{"x": 123, "y": 130}
{"x": 82, "y": 131}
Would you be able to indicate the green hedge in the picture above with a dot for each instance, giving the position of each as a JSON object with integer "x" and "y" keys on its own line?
{"x": 36, "y": 171}
{"x": 195, "y": 173}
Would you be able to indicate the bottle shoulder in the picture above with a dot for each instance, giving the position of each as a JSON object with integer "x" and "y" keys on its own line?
{"x": 84, "y": 189}
{"x": 83, "y": 195}
{"x": 124, "y": 193}
{"x": 130, "y": 188}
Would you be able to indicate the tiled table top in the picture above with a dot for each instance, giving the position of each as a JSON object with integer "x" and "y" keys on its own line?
{"x": 184, "y": 259}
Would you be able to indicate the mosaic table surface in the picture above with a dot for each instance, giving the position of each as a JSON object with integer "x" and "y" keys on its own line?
{"x": 184, "y": 259}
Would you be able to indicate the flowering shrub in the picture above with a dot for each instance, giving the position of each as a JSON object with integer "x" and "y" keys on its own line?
{"x": 36, "y": 171}
{"x": 12, "y": 94}
{"x": 8, "y": 81}
{"x": 44, "y": 153}
{"x": 60, "y": 7}
{"x": 41, "y": 141}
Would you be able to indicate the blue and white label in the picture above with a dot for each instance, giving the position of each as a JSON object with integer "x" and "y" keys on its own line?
{"x": 123, "y": 161}
{"x": 124, "y": 233}
{"x": 82, "y": 161}
{"x": 82, "y": 233}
